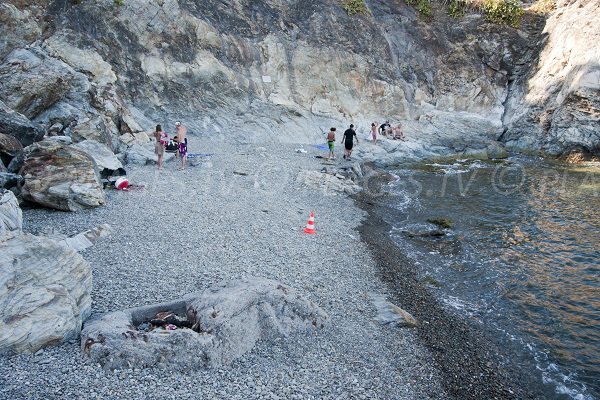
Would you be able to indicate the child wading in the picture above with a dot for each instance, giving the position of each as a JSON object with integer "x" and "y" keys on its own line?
{"x": 331, "y": 143}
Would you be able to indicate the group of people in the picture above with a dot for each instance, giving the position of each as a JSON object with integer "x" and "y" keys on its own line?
{"x": 162, "y": 139}
{"x": 349, "y": 137}
{"x": 387, "y": 130}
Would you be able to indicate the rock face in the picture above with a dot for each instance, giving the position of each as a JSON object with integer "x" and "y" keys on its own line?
{"x": 44, "y": 293}
{"x": 558, "y": 108}
{"x": 226, "y": 321}
{"x": 287, "y": 71}
{"x": 60, "y": 177}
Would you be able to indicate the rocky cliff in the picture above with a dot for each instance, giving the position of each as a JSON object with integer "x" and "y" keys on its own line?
{"x": 274, "y": 70}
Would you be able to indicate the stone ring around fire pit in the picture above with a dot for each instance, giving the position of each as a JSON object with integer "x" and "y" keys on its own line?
{"x": 204, "y": 329}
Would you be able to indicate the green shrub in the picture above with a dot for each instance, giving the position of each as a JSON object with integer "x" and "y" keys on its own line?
{"x": 507, "y": 12}
{"x": 423, "y": 7}
{"x": 456, "y": 9}
{"x": 119, "y": 2}
{"x": 355, "y": 6}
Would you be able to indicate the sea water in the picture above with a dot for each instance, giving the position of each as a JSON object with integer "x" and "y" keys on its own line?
{"x": 521, "y": 258}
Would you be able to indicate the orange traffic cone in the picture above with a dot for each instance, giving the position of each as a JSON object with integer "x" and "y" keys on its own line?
{"x": 310, "y": 226}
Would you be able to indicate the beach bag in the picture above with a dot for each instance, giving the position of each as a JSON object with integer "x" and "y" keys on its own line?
{"x": 171, "y": 145}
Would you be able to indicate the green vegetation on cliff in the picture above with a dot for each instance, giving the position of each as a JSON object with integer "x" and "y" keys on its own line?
{"x": 354, "y": 6}
{"x": 507, "y": 12}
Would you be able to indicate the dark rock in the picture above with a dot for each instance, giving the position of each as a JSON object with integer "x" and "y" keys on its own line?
{"x": 9, "y": 180}
{"x": 18, "y": 126}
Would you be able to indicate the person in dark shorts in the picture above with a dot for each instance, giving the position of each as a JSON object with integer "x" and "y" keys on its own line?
{"x": 348, "y": 140}
{"x": 182, "y": 139}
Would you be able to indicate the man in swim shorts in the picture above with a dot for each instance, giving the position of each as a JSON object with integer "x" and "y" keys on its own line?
{"x": 182, "y": 139}
{"x": 348, "y": 139}
{"x": 331, "y": 143}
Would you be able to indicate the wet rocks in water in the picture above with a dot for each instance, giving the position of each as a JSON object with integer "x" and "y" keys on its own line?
{"x": 442, "y": 222}
{"x": 60, "y": 177}
{"x": 220, "y": 324}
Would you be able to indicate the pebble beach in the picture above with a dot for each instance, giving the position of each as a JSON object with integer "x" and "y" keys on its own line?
{"x": 239, "y": 213}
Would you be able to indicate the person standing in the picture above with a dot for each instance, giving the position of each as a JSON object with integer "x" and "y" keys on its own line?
{"x": 374, "y": 132}
{"x": 331, "y": 143}
{"x": 182, "y": 139}
{"x": 348, "y": 139}
{"x": 159, "y": 148}
{"x": 384, "y": 128}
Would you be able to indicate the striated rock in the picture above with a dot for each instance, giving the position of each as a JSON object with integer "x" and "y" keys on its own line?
{"x": 44, "y": 293}
{"x": 11, "y": 217}
{"x": 9, "y": 180}
{"x": 330, "y": 184}
{"x": 61, "y": 177}
{"x": 86, "y": 239}
{"x": 85, "y": 60}
{"x": 19, "y": 126}
{"x": 226, "y": 321}
{"x": 101, "y": 154}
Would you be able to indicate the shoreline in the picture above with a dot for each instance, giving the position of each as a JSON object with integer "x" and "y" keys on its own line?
{"x": 472, "y": 365}
{"x": 240, "y": 214}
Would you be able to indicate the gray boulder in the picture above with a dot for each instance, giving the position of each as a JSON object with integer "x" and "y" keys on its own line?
{"x": 216, "y": 326}
{"x": 141, "y": 155}
{"x": 102, "y": 154}
{"x": 60, "y": 177}
{"x": 44, "y": 293}
{"x": 11, "y": 217}
{"x": 19, "y": 126}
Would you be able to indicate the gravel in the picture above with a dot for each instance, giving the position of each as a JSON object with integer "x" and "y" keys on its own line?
{"x": 188, "y": 229}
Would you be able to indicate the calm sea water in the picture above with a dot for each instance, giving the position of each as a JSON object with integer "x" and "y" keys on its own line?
{"x": 522, "y": 256}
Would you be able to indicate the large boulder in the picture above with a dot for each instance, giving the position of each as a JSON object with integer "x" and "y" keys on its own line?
{"x": 44, "y": 293}
{"x": 102, "y": 154}
{"x": 19, "y": 126}
{"x": 61, "y": 177}
{"x": 141, "y": 155}
{"x": 213, "y": 327}
{"x": 11, "y": 217}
